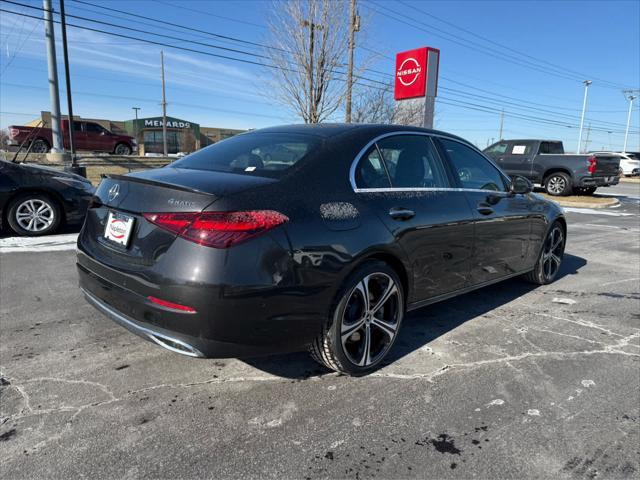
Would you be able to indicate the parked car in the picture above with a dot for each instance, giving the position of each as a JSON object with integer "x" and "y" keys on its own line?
{"x": 87, "y": 136}
{"x": 629, "y": 163}
{"x": 36, "y": 200}
{"x": 544, "y": 162}
{"x": 327, "y": 251}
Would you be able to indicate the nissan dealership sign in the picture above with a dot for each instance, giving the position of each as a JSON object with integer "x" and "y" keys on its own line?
{"x": 413, "y": 69}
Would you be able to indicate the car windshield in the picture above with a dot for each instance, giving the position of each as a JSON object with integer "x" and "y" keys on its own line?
{"x": 261, "y": 154}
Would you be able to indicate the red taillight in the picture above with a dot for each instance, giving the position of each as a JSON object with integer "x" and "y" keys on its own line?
{"x": 174, "y": 222}
{"x": 13, "y": 132}
{"x": 218, "y": 229}
{"x": 593, "y": 163}
{"x": 171, "y": 305}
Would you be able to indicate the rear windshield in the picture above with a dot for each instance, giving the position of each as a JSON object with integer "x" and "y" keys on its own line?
{"x": 260, "y": 154}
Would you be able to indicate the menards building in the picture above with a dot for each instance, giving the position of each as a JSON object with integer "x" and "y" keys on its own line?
{"x": 182, "y": 135}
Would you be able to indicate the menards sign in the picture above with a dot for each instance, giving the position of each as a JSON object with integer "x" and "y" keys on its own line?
{"x": 171, "y": 123}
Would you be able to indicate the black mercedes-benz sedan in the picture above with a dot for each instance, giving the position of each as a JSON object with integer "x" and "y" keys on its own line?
{"x": 36, "y": 200}
{"x": 317, "y": 237}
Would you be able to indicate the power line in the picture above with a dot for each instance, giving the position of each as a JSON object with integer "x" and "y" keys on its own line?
{"x": 405, "y": 19}
{"x": 506, "y": 47}
{"x": 386, "y": 86}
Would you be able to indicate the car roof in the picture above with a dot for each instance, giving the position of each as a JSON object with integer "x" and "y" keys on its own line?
{"x": 328, "y": 130}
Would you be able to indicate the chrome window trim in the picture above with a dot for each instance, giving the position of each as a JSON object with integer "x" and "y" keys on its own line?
{"x": 354, "y": 164}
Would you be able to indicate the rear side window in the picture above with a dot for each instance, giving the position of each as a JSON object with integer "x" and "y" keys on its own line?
{"x": 260, "y": 154}
{"x": 412, "y": 162}
{"x": 371, "y": 172}
{"x": 555, "y": 148}
{"x": 473, "y": 170}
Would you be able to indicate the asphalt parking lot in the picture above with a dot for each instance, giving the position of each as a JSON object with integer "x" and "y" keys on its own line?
{"x": 506, "y": 382}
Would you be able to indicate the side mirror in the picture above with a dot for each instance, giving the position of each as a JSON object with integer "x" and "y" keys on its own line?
{"x": 520, "y": 185}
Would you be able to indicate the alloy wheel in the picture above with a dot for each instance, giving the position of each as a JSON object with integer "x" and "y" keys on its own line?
{"x": 556, "y": 185}
{"x": 370, "y": 319}
{"x": 39, "y": 146}
{"x": 122, "y": 149}
{"x": 35, "y": 215}
{"x": 552, "y": 253}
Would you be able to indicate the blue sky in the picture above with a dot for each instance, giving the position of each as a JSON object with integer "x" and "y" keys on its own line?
{"x": 577, "y": 39}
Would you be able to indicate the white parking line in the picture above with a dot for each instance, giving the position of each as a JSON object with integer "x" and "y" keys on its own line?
{"x": 593, "y": 211}
{"x": 48, "y": 243}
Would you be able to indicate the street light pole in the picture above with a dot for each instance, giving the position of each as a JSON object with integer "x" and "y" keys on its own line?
{"x": 584, "y": 109}
{"x": 56, "y": 133}
{"x": 67, "y": 77}
{"x": 626, "y": 133}
{"x": 164, "y": 109}
{"x": 135, "y": 126}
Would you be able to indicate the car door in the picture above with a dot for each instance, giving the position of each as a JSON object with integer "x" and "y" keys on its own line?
{"x": 98, "y": 138}
{"x": 497, "y": 151}
{"x": 518, "y": 157}
{"x": 405, "y": 179}
{"x": 79, "y": 136}
{"x": 503, "y": 220}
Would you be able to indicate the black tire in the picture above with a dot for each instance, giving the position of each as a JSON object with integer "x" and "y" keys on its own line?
{"x": 558, "y": 184}
{"x": 40, "y": 145}
{"x": 340, "y": 344}
{"x": 541, "y": 273}
{"x": 46, "y": 222}
{"x": 122, "y": 149}
{"x": 584, "y": 190}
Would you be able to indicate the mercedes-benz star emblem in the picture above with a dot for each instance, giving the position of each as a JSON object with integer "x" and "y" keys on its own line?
{"x": 114, "y": 192}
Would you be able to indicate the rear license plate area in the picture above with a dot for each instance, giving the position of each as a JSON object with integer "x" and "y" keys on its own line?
{"x": 118, "y": 228}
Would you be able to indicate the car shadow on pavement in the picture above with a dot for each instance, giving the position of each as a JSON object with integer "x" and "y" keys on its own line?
{"x": 421, "y": 326}
{"x": 5, "y": 232}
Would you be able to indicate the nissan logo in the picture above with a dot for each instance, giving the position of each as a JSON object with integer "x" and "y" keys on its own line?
{"x": 409, "y": 71}
{"x": 114, "y": 192}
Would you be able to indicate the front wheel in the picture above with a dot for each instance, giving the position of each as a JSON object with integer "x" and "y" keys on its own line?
{"x": 364, "y": 322}
{"x": 122, "y": 149}
{"x": 548, "y": 264}
{"x": 33, "y": 214}
{"x": 558, "y": 184}
{"x": 40, "y": 145}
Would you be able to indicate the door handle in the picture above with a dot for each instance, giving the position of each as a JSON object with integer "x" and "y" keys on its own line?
{"x": 484, "y": 209}
{"x": 398, "y": 213}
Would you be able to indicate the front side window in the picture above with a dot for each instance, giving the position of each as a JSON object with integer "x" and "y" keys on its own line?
{"x": 260, "y": 154}
{"x": 412, "y": 162}
{"x": 473, "y": 170}
{"x": 94, "y": 128}
{"x": 497, "y": 149}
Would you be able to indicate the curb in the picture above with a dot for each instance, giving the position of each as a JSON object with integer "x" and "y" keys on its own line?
{"x": 610, "y": 202}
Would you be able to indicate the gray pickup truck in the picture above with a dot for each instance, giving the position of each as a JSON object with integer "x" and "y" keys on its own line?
{"x": 544, "y": 162}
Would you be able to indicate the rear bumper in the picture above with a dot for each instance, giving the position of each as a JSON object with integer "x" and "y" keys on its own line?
{"x": 603, "y": 181}
{"x": 228, "y": 327}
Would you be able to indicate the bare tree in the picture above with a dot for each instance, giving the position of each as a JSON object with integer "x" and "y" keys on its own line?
{"x": 376, "y": 105}
{"x": 309, "y": 39}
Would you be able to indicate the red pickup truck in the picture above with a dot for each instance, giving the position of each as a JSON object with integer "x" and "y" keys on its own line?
{"x": 88, "y": 136}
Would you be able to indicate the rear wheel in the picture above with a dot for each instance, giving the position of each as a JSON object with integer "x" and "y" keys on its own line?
{"x": 550, "y": 259}
{"x": 40, "y": 145}
{"x": 33, "y": 214}
{"x": 558, "y": 184}
{"x": 122, "y": 149}
{"x": 364, "y": 322}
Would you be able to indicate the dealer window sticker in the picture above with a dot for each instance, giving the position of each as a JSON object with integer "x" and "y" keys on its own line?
{"x": 518, "y": 149}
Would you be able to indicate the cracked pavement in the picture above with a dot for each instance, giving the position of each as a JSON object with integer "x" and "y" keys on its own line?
{"x": 509, "y": 381}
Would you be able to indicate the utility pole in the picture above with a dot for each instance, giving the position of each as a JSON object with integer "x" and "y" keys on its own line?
{"x": 584, "y": 109}
{"x": 164, "y": 109}
{"x": 312, "y": 103}
{"x": 354, "y": 26}
{"x": 631, "y": 98}
{"x": 56, "y": 130}
{"x": 501, "y": 123}
{"x": 135, "y": 126}
{"x": 586, "y": 141}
